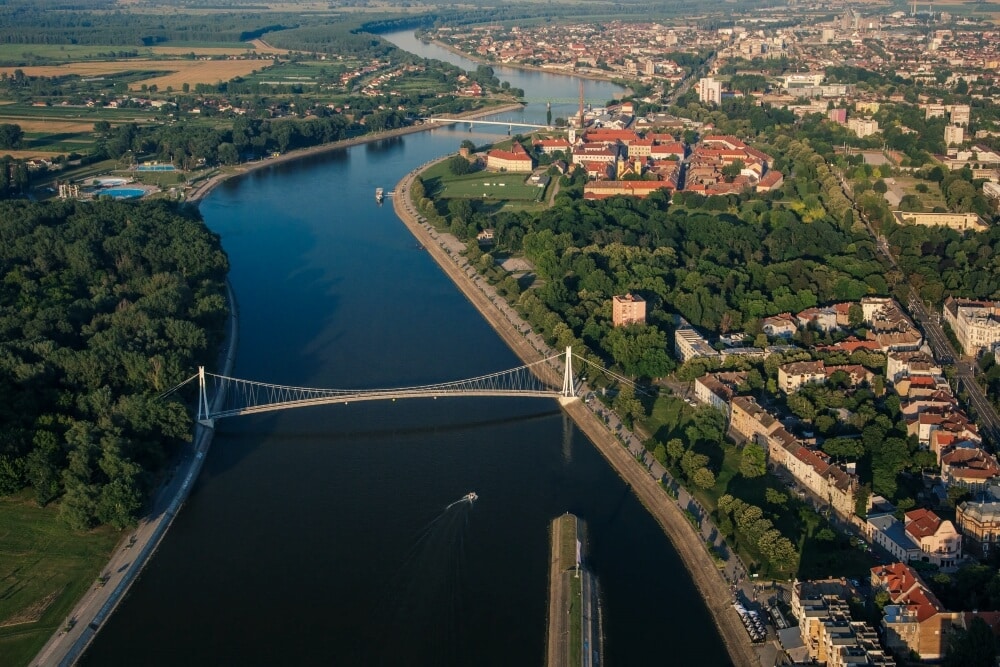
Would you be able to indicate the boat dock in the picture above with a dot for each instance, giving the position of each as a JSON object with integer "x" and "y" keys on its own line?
{"x": 574, "y": 627}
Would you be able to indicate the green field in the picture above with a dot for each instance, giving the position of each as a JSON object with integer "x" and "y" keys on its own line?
{"x": 37, "y": 54}
{"x": 44, "y": 569}
{"x": 482, "y": 185}
{"x": 490, "y": 185}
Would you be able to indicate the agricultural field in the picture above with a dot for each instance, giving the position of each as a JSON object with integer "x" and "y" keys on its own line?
{"x": 175, "y": 72}
{"x": 38, "y": 54}
{"x": 39, "y": 592}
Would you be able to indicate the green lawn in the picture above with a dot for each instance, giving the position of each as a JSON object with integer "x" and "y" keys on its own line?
{"x": 567, "y": 545}
{"x": 489, "y": 185}
{"x": 16, "y": 54}
{"x": 668, "y": 418}
{"x": 44, "y": 569}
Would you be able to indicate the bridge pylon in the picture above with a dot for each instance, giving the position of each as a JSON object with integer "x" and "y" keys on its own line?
{"x": 568, "y": 392}
{"x": 204, "y": 417}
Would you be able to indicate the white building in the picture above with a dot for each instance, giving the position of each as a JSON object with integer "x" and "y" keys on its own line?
{"x": 863, "y": 127}
{"x": 710, "y": 91}
{"x": 954, "y": 135}
{"x": 976, "y": 323}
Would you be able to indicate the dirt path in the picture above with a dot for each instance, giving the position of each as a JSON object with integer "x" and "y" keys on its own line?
{"x": 509, "y": 327}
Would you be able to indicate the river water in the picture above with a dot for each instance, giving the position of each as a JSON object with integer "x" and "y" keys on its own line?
{"x": 320, "y": 536}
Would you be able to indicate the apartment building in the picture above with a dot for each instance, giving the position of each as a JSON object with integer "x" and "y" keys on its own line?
{"x": 794, "y": 375}
{"x": 688, "y": 343}
{"x": 628, "y": 309}
{"x": 976, "y": 323}
{"x": 916, "y": 620}
{"x": 826, "y": 628}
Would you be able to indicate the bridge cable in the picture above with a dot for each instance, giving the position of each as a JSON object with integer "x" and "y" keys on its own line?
{"x": 170, "y": 391}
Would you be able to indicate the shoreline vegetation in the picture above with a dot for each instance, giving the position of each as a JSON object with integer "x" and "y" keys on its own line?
{"x": 132, "y": 553}
{"x": 689, "y": 546}
{"x": 202, "y": 188}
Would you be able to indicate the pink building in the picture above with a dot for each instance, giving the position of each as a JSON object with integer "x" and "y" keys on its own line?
{"x": 628, "y": 309}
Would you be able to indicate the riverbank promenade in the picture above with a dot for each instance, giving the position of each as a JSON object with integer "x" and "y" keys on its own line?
{"x": 601, "y": 427}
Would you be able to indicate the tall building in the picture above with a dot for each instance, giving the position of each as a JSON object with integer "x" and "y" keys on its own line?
{"x": 628, "y": 309}
{"x": 710, "y": 90}
{"x": 863, "y": 127}
{"x": 954, "y": 135}
{"x": 959, "y": 114}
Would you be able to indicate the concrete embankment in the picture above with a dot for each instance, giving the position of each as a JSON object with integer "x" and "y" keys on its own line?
{"x": 529, "y": 347}
{"x": 574, "y": 625}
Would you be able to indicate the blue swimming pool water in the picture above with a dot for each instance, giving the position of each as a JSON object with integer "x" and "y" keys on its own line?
{"x": 155, "y": 167}
{"x": 124, "y": 193}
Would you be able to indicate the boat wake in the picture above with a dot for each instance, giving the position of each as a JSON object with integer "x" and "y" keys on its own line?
{"x": 470, "y": 498}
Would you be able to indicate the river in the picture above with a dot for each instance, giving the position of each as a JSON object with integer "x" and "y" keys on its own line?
{"x": 321, "y": 535}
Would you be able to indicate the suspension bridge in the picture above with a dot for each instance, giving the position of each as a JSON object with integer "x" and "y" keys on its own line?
{"x": 221, "y": 396}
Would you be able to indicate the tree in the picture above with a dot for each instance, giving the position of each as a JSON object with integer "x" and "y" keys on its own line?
{"x": 733, "y": 169}
{"x": 691, "y": 462}
{"x": 10, "y": 135}
{"x": 626, "y": 404}
{"x": 799, "y": 404}
{"x": 753, "y": 462}
{"x": 850, "y": 449}
{"x": 704, "y": 478}
{"x": 855, "y": 315}
{"x": 675, "y": 449}
{"x": 975, "y": 647}
{"x": 775, "y": 497}
{"x": 459, "y": 166}
{"x": 660, "y": 454}
{"x": 228, "y": 154}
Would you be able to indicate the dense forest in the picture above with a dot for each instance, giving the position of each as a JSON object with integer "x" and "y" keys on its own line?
{"x": 103, "y": 306}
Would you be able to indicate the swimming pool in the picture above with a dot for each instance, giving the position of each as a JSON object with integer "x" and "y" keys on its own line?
{"x": 155, "y": 167}
{"x": 123, "y": 193}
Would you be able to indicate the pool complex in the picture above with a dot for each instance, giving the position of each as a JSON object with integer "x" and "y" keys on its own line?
{"x": 123, "y": 193}
{"x": 155, "y": 167}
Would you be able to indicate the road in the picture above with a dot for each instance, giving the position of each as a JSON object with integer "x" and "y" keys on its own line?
{"x": 930, "y": 324}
